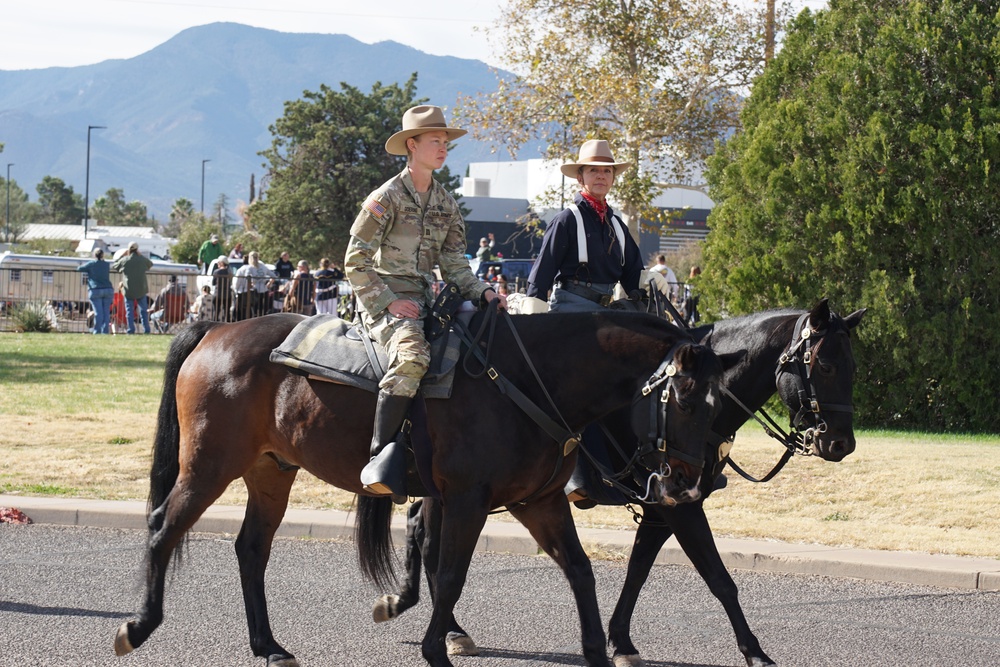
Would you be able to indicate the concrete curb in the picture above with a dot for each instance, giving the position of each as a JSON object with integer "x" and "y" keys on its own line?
{"x": 508, "y": 537}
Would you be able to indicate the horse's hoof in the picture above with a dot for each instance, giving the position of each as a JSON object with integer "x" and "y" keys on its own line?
{"x": 122, "y": 644}
{"x": 761, "y": 662}
{"x": 385, "y": 608}
{"x": 460, "y": 644}
{"x": 282, "y": 661}
{"x": 628, "y": 661}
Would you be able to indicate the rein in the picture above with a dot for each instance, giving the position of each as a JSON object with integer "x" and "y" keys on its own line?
{"x": 799, "y": 353}
{"x": 565, "y": 437}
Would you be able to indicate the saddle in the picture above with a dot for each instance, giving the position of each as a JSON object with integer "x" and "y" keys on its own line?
{"x": 328, "y": 348}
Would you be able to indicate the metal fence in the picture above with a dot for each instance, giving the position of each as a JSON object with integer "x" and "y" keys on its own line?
{"x": 62, "y": 296}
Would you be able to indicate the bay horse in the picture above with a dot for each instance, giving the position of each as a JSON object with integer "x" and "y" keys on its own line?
{"x": 815, "y": 385}
{"x": 228, "y": 413}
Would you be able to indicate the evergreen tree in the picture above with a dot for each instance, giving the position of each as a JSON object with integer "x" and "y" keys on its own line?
{"x": 865, "y": 172}
{"x": 327, "y": 155}
{"x": 59, "y": 204}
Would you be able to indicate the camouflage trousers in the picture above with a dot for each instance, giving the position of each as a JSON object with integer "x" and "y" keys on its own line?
{"x": 406, "y": 345}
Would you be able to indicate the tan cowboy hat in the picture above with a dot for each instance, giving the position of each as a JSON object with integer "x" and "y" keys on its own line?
{"x": 595, "y": 151}
{"x": 424, "y": 118}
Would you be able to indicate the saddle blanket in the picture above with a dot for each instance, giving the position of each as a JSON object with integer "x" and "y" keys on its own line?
{"x": 326, "y": 347}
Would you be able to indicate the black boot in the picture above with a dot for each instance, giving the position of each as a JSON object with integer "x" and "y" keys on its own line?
{"x": 587, "y": 489}
{"x": 385, "y": 474}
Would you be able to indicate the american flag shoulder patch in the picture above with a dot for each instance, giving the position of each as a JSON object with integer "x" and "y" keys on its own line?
{"x": 375, "y": 208}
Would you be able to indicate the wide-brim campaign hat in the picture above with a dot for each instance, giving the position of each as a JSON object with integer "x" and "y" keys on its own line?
{"x": 594, "y": 152}
{"x": 420, "y": 119}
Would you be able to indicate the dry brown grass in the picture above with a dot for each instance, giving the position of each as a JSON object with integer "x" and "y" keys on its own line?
{"x": 90, "y": 435}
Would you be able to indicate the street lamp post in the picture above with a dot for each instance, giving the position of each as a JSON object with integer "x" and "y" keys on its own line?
{"x": 9, "y": 165}
{"x": 203, "y": 186}
{"x": 86, "y": 196}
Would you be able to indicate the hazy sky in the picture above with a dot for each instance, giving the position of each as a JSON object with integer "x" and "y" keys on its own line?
{"x": 67, "y": 33}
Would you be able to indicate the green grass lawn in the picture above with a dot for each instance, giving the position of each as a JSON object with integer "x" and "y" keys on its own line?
{"x": 58, "y": 374}
{"x": 78, "y": 413}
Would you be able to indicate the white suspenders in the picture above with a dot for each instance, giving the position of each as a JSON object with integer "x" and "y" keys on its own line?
{"x": 581, "y": 237}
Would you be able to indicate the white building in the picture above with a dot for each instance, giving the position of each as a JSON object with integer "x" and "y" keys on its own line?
{"x": 108, "y": 238}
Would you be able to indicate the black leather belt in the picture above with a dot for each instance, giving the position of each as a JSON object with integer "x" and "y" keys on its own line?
{"x": 587, "y": 292}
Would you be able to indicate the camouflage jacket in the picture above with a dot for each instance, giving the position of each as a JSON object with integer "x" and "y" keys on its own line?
{"x": 395, "y": 246}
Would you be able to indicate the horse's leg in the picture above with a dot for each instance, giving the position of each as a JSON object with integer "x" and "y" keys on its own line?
{"x": 550, "y": 522}
{"x": 428, "y": 534}
{"x": 168, "y": 524}
{"x": 652, "y": 534}
{"x": 268, "y": 488}
{"x": 695, "y": 537}
{"x": 462, "y": 521}
{"x": 389, "y": 606}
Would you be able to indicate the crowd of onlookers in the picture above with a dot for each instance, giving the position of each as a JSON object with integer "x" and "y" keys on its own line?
{"x": 237, "y": 285}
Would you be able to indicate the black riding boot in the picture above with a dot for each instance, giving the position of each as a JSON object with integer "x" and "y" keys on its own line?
{"x": 585, "y": 487}
{"x": 385, "y": 474}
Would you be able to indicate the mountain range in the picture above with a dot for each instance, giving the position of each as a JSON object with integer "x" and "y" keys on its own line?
{"x": 209, "y": 93}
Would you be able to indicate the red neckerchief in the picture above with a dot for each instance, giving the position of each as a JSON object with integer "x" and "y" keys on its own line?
{"x": 600, "y": 207}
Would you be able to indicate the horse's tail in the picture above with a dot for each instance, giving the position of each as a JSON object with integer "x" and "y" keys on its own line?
{"x": 166, "y": 443}
{"x": 373, "y": 534}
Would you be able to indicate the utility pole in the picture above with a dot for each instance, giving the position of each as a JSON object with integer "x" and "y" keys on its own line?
{"x": 769, "y": 33}
{"x": 86, "y": 196}
{"x": 7, "y": 238}
{"x": 203, "y": 186}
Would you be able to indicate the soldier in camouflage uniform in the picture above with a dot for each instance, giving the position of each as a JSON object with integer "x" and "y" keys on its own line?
{"x": 405, "y": 228}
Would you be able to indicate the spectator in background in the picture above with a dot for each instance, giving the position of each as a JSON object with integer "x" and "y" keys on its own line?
{"x": 299, "y": 292}
{"x": 485, "y": 252}
{"x": 209, "y": 250}
{"x": 118, "y": 321}
{"x": 237, "y": 252}
{"x": 133, "y": 267}
{"x": 250, "y": 286}
{"x": 222, "y": 283}
{"x": 327, "y": 292}
{"x": 203, "y": 307}
{"x": 170, "y": 306}
{"x": 100, "y": 291}
{"x": 283, "y": 267}
{"x": 668, "y": 273}
{"x": 691, "y": 299}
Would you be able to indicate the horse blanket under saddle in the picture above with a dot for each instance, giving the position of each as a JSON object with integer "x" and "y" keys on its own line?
{"x": 326, "y": 347}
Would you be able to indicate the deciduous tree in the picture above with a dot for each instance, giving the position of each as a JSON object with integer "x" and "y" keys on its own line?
{"x": 660, "y": 80}
{"x": 866, "y": 172}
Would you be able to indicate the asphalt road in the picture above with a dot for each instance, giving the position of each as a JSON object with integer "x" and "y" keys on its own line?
{"x": 65, "y": 590}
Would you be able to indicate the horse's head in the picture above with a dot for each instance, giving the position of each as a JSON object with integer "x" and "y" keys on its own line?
{"x": 673, "y": 417}
{"x": 815, "y": 380}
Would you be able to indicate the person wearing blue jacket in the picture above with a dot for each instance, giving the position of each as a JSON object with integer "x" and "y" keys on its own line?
{"x": 99, "y": 291}
{"x": 587, "y": 249}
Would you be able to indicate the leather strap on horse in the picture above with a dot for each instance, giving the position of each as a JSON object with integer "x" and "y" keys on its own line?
{"x": 792, "y": 443}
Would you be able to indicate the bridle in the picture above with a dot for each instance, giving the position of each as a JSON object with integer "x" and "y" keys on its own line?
{"x": 808, "y": 423}
{"x": 655, "y": 432}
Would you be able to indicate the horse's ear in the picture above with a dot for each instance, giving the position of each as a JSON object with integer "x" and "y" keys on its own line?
{"x": 684, "y": 357}
{"x": 819, "y": 316}
{"x": 731, "y": 359}
{"x": 854, "y": 319}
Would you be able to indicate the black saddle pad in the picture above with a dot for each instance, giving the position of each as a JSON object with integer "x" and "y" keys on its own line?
{"x": 329, "y": 348}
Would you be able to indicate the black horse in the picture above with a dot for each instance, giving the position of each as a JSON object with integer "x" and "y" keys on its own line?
{"x": 227, "y": 412}
{"x": 805, "y": 357}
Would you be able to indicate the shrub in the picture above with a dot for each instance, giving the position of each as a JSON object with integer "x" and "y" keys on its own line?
{"x": 31, "y": 317}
